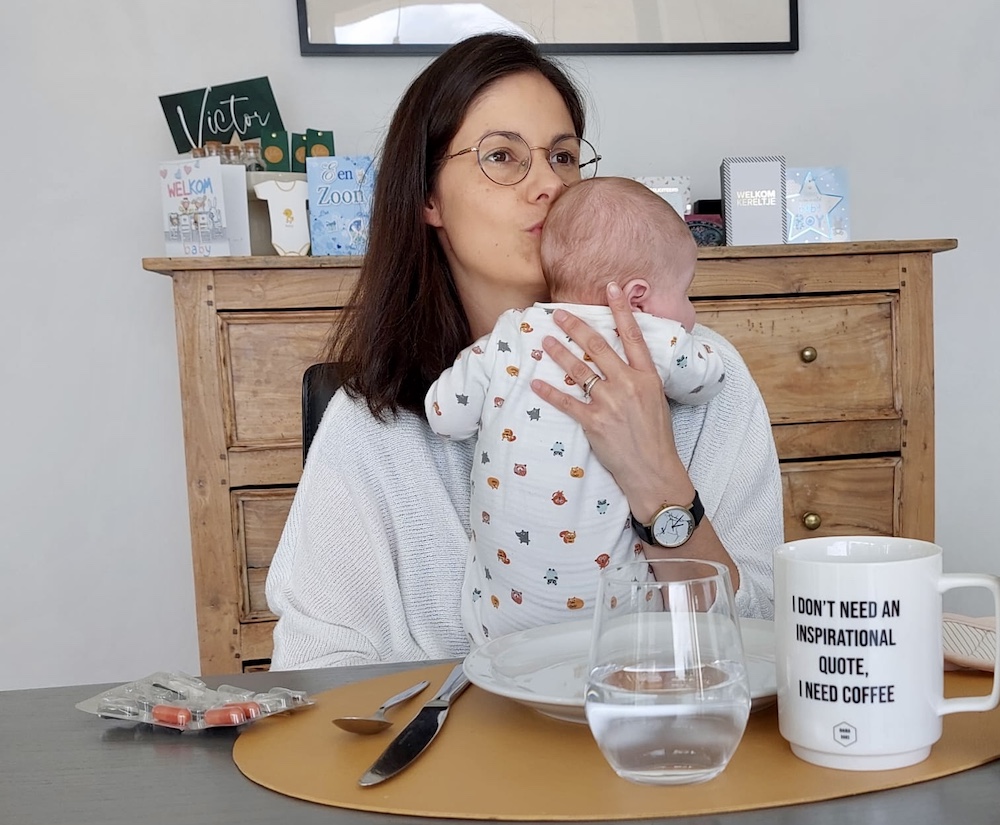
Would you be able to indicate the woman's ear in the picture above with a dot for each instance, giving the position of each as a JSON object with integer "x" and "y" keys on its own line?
{"x": 637, "y": 292}
{"x": 432, "y": 213}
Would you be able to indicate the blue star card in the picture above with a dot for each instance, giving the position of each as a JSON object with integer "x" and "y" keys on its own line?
{"x": 818, "y": 205}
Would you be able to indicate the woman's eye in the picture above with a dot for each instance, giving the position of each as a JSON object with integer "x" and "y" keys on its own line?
{"x": 562, "y": 158}
{"x": 500, "y": 156}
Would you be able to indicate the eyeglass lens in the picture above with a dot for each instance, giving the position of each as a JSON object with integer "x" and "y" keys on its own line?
{"x": 506, "y": 158}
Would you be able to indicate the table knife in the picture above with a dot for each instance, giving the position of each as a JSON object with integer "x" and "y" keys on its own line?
{"x": 416, "y": 736}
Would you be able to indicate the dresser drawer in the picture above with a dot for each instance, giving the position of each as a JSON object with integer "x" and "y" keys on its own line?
{"x": 840, "y": 498}
{"x": 263, "y": 357}
{"x": 256, "y": 645}
{"x": 258, "y": 519}
{"x": 815, "y": 359}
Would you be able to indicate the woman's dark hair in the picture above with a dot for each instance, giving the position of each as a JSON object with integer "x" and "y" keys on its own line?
{"x": 405, "y": 323}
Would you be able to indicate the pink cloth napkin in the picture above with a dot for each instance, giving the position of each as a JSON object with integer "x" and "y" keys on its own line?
{"x": 969, "y": 642}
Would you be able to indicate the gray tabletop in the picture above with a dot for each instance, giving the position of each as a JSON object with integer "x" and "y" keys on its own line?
{"x": 60, "y": 765}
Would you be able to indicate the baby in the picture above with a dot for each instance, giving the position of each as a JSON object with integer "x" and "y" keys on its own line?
{"x": 546, "y": 515}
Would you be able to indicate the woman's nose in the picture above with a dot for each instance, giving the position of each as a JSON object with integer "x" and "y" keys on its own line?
{"x": 542, "y": 178}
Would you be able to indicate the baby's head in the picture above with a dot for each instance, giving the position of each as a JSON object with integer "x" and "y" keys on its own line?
{"x": 616, "y": 229}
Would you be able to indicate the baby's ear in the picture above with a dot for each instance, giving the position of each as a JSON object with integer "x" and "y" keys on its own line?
{"x": 637, "y": 291}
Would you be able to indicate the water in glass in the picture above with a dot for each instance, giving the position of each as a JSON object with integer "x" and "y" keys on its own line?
{"x": 661, "y": 726}
{"x": 668, "y": 695}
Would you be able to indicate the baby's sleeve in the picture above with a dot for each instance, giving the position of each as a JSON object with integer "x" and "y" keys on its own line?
{"x": 692, "y": 371}
{"x": 454, "y": 403}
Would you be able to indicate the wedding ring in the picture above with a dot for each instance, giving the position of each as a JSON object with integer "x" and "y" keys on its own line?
{"x": 588, "y": 385}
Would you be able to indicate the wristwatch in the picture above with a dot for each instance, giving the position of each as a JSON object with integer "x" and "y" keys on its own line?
{"x": 672, "y": 524}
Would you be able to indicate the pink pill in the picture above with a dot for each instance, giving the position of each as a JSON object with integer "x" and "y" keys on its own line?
{"x": 171, "y": 715}
{"x": 226, "y": 715}
{"x": 250, "y": 709}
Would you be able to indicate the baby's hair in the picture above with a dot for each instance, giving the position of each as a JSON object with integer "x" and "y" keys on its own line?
{"x": 612, "y": 229}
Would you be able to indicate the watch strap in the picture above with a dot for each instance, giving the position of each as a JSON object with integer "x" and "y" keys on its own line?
{"x": 645, "y": 531}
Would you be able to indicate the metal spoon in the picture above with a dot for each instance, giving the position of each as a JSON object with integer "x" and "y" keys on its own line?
{"x": 377, "y": 721}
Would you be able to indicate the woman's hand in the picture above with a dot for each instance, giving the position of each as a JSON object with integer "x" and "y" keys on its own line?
{"x": 627, "y": 421}
{"x": 626, "y": 418}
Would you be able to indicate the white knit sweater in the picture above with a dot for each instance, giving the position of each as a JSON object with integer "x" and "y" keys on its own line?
{"x": 370, "y": 564}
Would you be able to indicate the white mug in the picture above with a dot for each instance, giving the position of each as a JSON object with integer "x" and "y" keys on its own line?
{"x": 860, "y": 664}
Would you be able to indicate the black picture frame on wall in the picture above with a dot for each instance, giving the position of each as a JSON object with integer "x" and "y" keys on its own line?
{"x": 701, "y": 27}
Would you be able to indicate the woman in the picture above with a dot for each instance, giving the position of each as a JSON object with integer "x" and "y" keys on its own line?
{"x": 370, "y": 564}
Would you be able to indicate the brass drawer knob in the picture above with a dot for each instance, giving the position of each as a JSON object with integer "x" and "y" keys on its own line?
{"x": 808, "y": 354}
{"x": 812, "y": 521}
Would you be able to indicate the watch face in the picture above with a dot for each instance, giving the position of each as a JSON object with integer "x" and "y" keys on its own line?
{"x": 673, "y": 527}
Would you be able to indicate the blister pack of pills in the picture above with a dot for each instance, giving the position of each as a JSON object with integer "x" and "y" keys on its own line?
{"x": 182, "y": 702}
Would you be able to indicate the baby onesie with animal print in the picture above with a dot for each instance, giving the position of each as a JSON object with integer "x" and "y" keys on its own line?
{"x": 546, "y": 515}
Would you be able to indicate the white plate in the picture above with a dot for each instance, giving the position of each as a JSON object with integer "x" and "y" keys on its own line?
{"x": 545, "y": 668}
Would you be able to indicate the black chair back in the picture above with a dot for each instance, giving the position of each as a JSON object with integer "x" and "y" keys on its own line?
{"x": 320, "y": 383}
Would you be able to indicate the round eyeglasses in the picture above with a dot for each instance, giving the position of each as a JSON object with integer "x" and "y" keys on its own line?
{"x": 505, "y": 158}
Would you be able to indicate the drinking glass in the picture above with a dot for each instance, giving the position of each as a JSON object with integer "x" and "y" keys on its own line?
{"x": 668, "y": 695}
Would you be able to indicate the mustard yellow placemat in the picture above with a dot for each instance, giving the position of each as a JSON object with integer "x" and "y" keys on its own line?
{"x": 495, "y": 759}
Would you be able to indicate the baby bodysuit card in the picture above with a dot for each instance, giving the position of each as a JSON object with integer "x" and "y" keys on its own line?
{"x": 753, "y": 200}
{"x": 194, "y": 208}
{"x": 340, "y": 199}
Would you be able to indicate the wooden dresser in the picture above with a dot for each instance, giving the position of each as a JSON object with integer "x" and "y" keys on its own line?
{"x": 838, "y": 336}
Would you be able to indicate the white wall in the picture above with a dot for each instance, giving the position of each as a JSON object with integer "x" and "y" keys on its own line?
{"x": 95, "y": 569}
